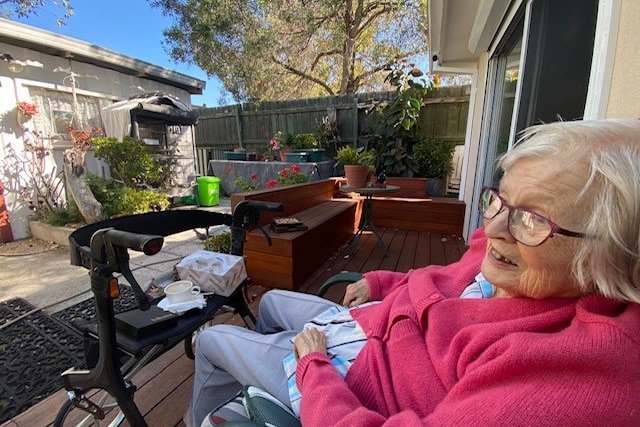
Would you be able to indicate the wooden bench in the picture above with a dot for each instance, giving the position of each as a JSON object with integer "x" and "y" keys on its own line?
{"x": 294, "y": 256}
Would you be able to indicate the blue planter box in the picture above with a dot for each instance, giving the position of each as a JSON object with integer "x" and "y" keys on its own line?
{"x": 300, "y": 157}
{"x": 313, "y": 154}
{"x": 232, "y": 155}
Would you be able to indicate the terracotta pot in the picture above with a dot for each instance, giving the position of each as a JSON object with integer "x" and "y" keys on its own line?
{"x": 283, "y": 153}
{"x": 79, "y": 134}
{"x": 357, "y": 175}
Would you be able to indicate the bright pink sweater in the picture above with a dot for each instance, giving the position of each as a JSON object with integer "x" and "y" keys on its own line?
{"x": 433, "y": 359}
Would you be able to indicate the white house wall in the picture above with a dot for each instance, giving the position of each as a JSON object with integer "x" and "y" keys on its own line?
{"x": 624, "y": 95}
{"x": 93, "y": 81}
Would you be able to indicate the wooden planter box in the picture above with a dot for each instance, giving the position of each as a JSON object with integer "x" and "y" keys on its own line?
{"x": 409, "y": 187}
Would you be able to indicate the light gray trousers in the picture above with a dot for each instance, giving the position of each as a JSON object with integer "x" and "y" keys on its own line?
{"x": 229, "y": 357}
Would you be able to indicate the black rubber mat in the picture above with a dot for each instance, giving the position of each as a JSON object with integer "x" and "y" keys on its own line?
{"x": 85, "y": 310}
{"x": 34, "y": 351}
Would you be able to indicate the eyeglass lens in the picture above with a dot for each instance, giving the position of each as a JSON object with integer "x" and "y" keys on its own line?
{"x": 526, "y": 227}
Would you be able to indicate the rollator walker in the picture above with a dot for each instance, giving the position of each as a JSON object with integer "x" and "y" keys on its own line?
{"x": 103, "y": 394}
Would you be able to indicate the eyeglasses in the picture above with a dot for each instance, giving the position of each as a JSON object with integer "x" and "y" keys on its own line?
{"x": 528, "y": 228}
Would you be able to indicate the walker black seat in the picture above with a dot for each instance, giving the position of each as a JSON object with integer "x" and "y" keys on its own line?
{"x": 187, "y": 323}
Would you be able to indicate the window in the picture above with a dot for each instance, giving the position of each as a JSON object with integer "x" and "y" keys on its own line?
{"x": 503, "y": 74}
{"x": 57, "y": 112}
{"x": 535, "y": 76}
{"x": 558, "y": 61}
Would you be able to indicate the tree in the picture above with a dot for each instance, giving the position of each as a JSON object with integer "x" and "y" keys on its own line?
{"x": 22, "y": 8}
{"x": 283, "y": 49}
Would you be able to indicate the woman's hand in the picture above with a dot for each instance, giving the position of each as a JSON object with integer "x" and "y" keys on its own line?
{"x": 357, "y": 293}
{"x": 309, "y": 341}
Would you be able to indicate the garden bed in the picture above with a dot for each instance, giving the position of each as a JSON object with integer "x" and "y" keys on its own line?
{"x": 49, "y": 233}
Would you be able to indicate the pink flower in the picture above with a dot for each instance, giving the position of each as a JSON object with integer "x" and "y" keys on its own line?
{"x": 271, "y": 183}
{"x": 229, "y": 169}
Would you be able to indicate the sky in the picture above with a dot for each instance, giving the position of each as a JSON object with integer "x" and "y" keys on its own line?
{"x": 129, "y": 27}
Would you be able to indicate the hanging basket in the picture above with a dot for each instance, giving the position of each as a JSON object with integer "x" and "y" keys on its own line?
{"x": 77, "y": 135}
{"x": 80, "y": 138}
{"x": 23, "y": 120}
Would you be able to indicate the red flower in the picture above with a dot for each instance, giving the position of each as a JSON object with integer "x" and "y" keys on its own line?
{"x": 295, "y": 168}
{"x": 27, "y": 108}
{"x": 254, "y": 177}
{"x": 284, "y": 173}
{"x": 229, "y": 169}
{"x": 271, "y": 183}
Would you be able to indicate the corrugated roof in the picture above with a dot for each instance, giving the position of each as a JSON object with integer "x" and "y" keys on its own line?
{"x": 18, "y": 34}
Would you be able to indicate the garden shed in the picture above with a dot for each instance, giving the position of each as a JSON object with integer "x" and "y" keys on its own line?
{"x": 164, "y": 123}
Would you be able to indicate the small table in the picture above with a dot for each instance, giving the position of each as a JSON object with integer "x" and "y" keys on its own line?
{"x": 366, "y": 220}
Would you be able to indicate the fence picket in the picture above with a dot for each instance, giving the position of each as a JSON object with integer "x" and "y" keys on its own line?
{"x": 251, "y": 125}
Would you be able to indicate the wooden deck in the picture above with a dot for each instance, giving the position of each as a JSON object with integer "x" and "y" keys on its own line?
{"x": 165, "y": 384}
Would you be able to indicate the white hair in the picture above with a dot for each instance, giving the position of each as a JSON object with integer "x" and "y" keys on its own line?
{"x": 608, "y": 259}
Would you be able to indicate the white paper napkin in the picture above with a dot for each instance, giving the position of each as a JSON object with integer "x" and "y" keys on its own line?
{"x": 179, "y": 308}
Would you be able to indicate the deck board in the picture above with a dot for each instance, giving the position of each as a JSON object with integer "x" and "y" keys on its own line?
{"x": 164, "y": 385}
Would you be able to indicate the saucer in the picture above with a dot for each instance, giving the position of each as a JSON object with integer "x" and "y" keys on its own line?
{"x": 179, "y": 308}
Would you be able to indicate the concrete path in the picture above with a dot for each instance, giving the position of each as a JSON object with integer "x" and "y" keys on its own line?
{"x": 48, "y": 280}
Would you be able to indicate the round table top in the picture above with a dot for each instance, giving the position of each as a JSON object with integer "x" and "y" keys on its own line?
{"x": 369, "y": 190}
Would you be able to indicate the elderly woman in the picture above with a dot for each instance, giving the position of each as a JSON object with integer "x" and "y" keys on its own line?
{"x": 537, "y": 324}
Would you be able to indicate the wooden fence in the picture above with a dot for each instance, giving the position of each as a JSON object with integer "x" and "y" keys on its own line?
{"x": 251, "y": 126}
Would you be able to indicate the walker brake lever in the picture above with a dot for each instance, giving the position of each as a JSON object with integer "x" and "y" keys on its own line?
{"x": 266, "y": 235}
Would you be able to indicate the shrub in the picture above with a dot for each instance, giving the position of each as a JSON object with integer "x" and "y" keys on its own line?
{"x": 140, "y": 201}
{"x": 304, "y": 140}
{"x": 433, "y": 157}
{"x": 64, "y": 215}
{"x": 219, "y": 243}
{"x": 130, "y": 161}
{"x": 117, "y": 199}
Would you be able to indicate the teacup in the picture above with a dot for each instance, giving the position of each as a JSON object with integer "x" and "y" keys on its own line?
{"x": 181, "y": 291}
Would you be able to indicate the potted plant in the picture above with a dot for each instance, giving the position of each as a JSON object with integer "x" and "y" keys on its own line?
{"x": 397, "y": 120}
{"x": 281, "y": 145}
{"x": 358, "y": 164}
{"x": 435, "y": 162}
{"x": 307, "y": 143}
{"x": 26, "y": 111}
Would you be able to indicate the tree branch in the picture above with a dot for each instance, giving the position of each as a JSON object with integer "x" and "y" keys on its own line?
{"x": 303, "y": 75}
